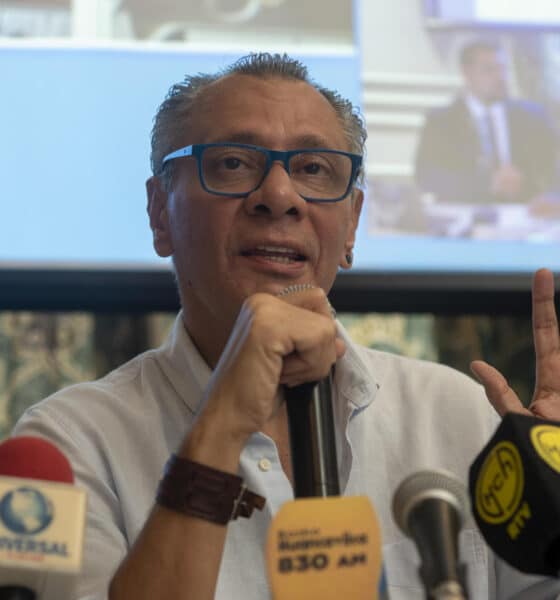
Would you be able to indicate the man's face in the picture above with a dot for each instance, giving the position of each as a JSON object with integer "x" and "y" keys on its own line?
{"x": 226, "y": 249}
{"x": 486, "y": 76}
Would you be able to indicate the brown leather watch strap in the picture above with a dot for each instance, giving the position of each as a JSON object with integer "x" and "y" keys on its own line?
{"x": 201, "y": 491}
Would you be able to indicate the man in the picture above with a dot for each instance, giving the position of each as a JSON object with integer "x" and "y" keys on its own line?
{"x": 254, "y": 196}
{"x": 486, "y": 147}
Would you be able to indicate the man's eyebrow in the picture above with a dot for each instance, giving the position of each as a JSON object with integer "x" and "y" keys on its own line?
{"x": 312, "y": 141}
{"x": 240, "y": 137}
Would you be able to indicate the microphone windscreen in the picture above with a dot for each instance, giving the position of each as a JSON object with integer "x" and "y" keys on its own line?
{"x": 31, "y": 457}
{"x": 515, "y": 493}
{"x": 325, "y": 548}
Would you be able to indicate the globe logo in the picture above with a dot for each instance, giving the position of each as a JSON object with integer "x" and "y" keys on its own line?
{"x": 26, "y": 511}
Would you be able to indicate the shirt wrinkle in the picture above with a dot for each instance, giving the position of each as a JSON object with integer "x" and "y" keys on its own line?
{"x": 356, "y": 383}
{"x": 180, "y": 359}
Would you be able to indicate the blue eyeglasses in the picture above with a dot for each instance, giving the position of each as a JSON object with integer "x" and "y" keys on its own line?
{"x": 236, "y": 170}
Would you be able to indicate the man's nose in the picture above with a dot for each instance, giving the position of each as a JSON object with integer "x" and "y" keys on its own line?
{"x": 276, "y": 196}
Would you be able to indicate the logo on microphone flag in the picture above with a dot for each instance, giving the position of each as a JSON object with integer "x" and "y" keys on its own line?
{"x": 41, "y": 524}
{"x": 500, "y": 484}
{"x": 324, "y": 548}
{"x": 26, "y": 510}
{"x": 546, "y": 440}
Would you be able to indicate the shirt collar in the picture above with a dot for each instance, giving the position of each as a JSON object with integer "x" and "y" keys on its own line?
{"x": 479, "y": 110}
{"x": 354, "y": 380}
{"x": 182, "y": 362}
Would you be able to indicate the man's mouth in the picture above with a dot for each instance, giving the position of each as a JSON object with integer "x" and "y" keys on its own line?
{"x": 278, "y": 254}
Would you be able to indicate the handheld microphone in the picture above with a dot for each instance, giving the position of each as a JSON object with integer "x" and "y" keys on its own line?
{"x": 312, "y": 439}
{"x": 321, "y": 546}
{"x": 42, "y": 518}
{"x": 515, "y": 493}
{"x": 429, "y": 507}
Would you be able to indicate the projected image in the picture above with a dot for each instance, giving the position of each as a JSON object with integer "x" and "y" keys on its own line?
{"x": 31, "y": 19}
{"x": 87, "y": 104}
{"x": 485, "y": 163}
{"x": 545, "y": 12}
{"x": 220, "y": 21}
{"x": 462, "y": 154}
{"x": 287, "y": 21}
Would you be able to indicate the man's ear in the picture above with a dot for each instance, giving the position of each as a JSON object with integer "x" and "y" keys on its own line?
{"x": 356, "y": 207}
{"x": 159, "y": 216}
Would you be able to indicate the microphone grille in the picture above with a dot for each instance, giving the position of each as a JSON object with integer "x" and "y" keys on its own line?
{"x": 425, "y": 485}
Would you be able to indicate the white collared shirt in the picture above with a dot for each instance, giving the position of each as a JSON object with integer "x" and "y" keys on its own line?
{"x": 394, "y": 416}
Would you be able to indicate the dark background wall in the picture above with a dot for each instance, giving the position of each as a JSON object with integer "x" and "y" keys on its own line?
{"x": 40, "y": 352}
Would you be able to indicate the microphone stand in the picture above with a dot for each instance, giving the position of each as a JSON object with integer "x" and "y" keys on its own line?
{"x": 312, "y": 439}
{"x": 449, "y": 590}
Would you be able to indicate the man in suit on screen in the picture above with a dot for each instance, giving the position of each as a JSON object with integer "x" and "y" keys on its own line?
{"x": 486, "y": 147}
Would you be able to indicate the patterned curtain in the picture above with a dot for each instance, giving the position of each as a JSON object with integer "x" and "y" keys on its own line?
{"x": 40, "y": 353}
{"x": 43, "y": 352}
{"x": 505, "y": 342}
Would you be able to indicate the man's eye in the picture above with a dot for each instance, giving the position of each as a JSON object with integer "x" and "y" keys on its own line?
{"x": 232, "y": 163}
{"x": 312, "y": 168}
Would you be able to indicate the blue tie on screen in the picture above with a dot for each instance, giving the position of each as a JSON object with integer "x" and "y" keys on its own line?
{"x": 489, "y": 141}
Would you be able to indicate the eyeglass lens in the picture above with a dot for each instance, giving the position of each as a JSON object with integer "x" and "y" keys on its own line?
{"x": 320, "y": 175}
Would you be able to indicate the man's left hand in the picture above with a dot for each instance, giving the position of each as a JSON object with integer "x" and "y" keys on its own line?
{"x": 546, "y": 397}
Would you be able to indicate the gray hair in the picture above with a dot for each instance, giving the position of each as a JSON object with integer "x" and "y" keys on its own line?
{"x": 168, "y": 132}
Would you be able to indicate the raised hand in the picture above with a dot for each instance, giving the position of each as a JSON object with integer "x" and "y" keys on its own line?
{"x": 546, "y": 397}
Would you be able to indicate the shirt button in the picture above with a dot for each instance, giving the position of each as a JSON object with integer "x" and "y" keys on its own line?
{"x": 264, "y": 464}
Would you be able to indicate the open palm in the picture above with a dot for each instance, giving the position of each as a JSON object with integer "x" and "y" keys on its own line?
{"x": 546, "y": 397}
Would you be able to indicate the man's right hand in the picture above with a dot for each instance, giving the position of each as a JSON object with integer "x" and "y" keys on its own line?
{"x": 507, "y": 182}
{"x": 275, "y": 341}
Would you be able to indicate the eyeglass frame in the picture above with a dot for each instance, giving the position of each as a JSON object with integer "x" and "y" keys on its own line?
{"x": 272, "y": 156}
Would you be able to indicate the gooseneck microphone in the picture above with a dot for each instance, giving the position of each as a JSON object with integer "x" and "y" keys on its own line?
{"x": 312, "y": 439}
{"x": 429, "y": 507}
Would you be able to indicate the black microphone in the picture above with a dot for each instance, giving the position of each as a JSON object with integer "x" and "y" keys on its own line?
{"x": 312, "y": 439}
{"x": 313, "y": 540}
{"x": 515, "y": 493}
{"x": 429, "y": 507}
